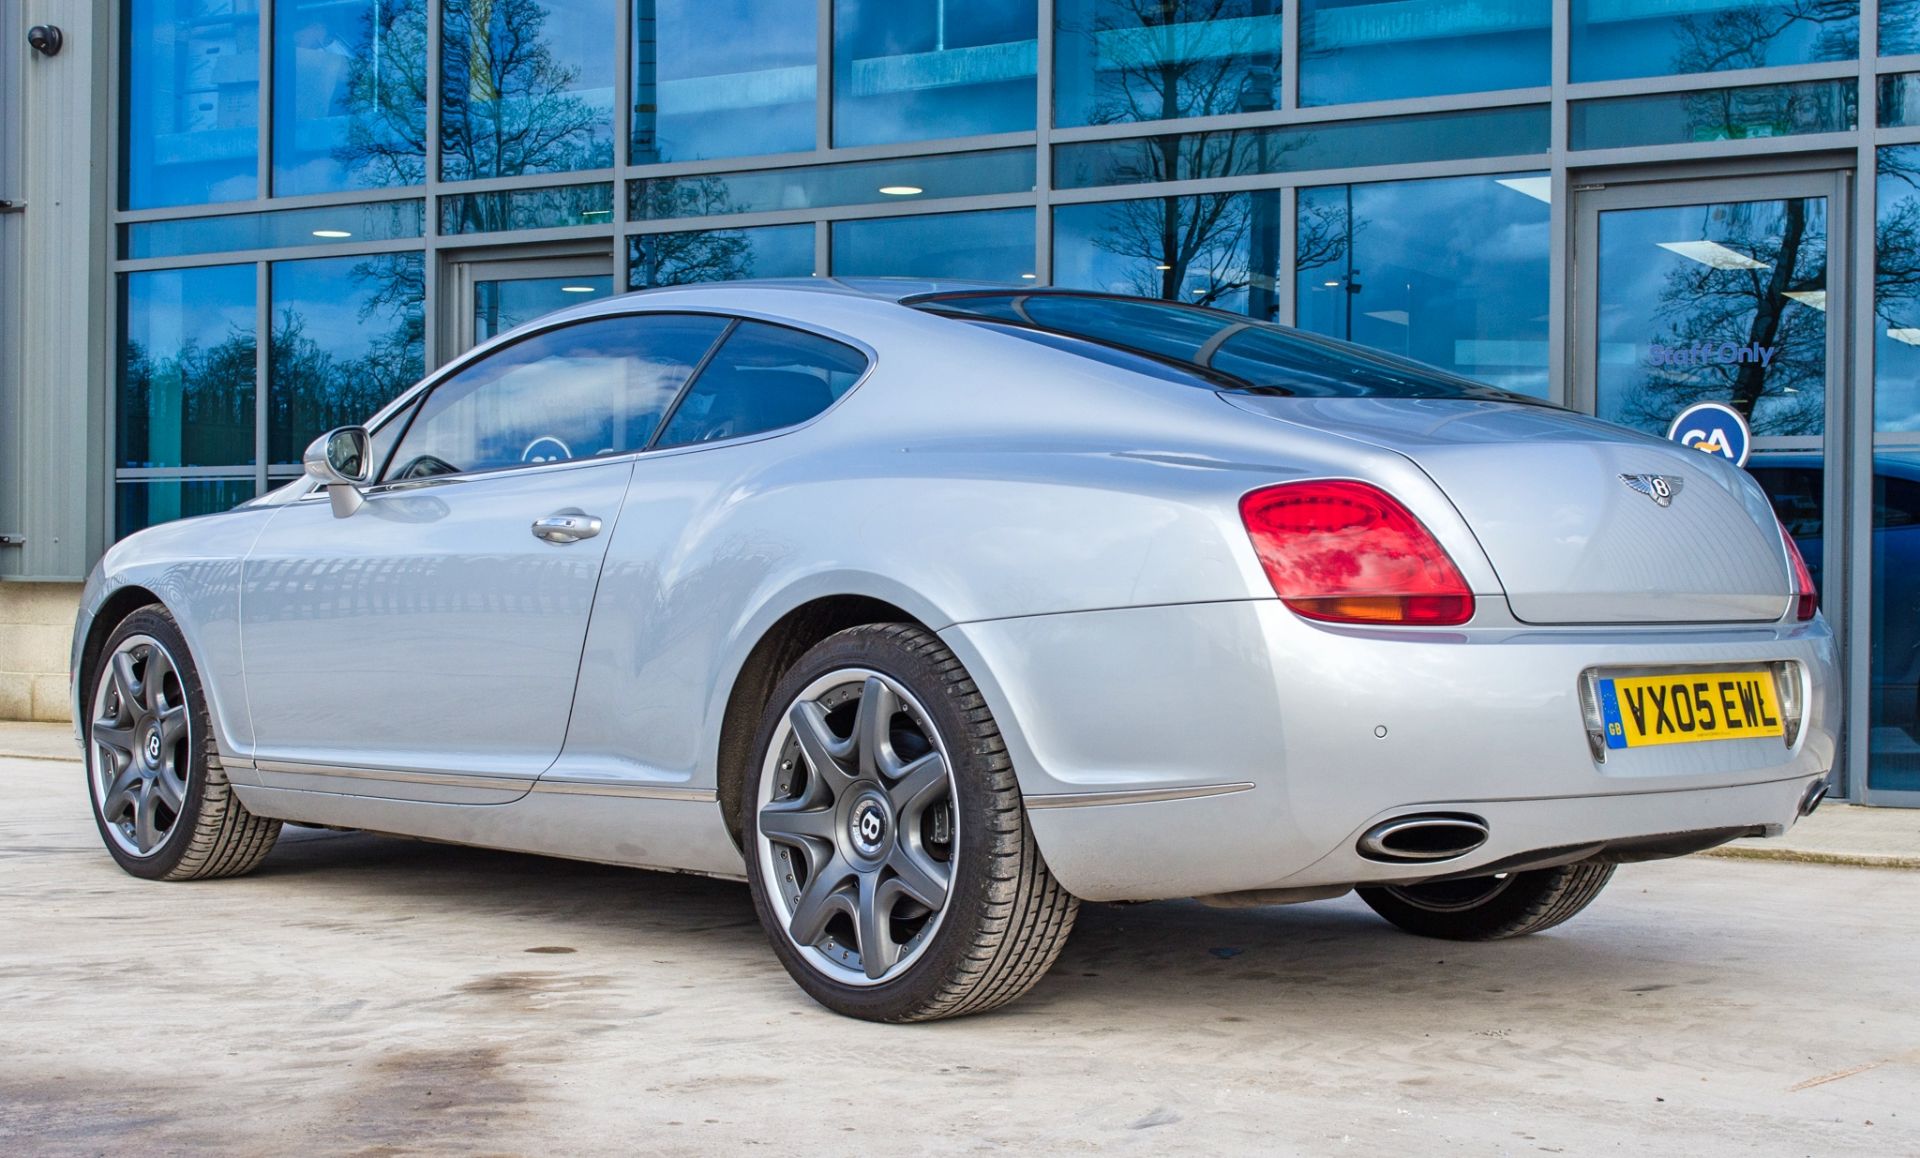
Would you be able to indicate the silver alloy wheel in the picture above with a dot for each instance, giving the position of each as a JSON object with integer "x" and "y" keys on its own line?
{"x": 139, "y": 745}
{"x": 1452, "y": 896}
{"x": 856, "y": 826}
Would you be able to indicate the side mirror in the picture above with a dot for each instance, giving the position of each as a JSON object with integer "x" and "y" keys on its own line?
{"x": 342, "y": 461}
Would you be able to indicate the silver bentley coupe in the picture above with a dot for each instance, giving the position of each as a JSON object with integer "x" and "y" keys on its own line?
{"x": 933, "y": 610}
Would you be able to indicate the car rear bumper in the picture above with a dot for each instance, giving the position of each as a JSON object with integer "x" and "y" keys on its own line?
{"x": 1210, "y": 748}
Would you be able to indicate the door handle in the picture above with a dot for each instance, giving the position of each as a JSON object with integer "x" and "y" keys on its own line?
{"x": 566, "y": 527}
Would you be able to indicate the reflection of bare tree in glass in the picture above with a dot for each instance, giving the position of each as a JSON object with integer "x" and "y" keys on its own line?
{"x": 1179, "y": 58}
{"x": 1746, "y": 310}
{"x": 1897, "y": 240}
{"x": 507, "y": 104}
{"x": 313, "y": 391}
{"x": 387, "y": 91}
{"x": 1739, "y": 37}
{"x": 688, "y": 256}
{"x": 214, "y": 391}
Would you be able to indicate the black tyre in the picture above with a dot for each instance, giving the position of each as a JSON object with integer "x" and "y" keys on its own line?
{"x": 887, "y": 847}
{"x": 1493, "y": 907}
{"x": 160, "y": 796}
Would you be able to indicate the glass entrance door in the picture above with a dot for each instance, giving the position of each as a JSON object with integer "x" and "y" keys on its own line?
{"x": 492, "y": 296}
{"x": 1728, "y": 290}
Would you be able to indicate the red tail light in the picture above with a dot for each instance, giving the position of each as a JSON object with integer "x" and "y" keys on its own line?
{"x": 1806, "y": 599}
{"x": 1348, "y": 552}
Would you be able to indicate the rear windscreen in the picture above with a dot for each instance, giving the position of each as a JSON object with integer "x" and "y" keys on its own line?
{"x": 1206, "y": 348}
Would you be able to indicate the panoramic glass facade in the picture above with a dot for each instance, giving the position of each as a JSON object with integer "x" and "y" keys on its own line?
{"x": 317, "y": 201}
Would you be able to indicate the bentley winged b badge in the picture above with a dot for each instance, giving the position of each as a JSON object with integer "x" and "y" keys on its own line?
{"x": 1658, "y": 487}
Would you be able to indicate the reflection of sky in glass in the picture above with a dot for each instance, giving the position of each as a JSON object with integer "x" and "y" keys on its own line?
{"x": 1677, "y": 319}
{"x": 1899, "y": 27}
{"x": 996, "y": 245}
{"x": 499, "y": 306}
{"x": 187, "y": 372}
{"x": 1612, "y": 39}
{"x": 139, "y": 505}
{"x": 913, "y": 71}
{"x": 1410, "y": 277}
{"x": 1896, "y": 325}
{"x": 750, "y": 90}
{"x": 347, "y": 338}
{"x": 192, "y": 103}
{"x": 1390, "y": 49}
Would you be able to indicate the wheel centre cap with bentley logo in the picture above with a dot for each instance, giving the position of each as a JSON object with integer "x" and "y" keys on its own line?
{"x": 153, "y": 746}
{"x": 1661, "y": 488}
{"x": 867, "y": 825}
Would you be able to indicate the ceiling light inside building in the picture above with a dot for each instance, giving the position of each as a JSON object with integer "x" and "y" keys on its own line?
{"x": 331, "y": 234}
{"x": 1712, "y": 253}
{"x": 1815, "y": 298}
{"x": 1908, "y": 334}
{"x": 1393, "y": 317}
{"x": 1538, "y": 188}
{"x": 1028, "y": 277}
{"x": 576, "y": 289}
{"x": 1163, "y": 267}
{"x": 902, "y": 190}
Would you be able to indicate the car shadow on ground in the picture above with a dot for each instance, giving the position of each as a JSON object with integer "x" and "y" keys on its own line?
{"x": 1224, "y": 963}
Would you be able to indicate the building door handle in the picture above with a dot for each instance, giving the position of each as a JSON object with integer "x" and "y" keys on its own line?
{"x": 566, "y": 527}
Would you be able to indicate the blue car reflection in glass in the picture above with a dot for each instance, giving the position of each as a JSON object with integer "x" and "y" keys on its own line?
{"x": 1796, "y": 484}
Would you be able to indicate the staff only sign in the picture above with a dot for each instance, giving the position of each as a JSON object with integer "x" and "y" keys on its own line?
{"x": 1716, "y": 428}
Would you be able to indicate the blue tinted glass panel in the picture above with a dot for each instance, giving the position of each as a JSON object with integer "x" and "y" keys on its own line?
{"x": 750, "y": 89}
{"x": 1900, "y": 100}
{"x": 1893, "y": 706}
{"x": 347, "y": 338}
{"x": 350, "y": 95}
{"x": 334, "y": 225}
{"x": 526, "y": 86}
{"x": 1721, "y": 114}
{"x": 813, "y": 186}
{"x": 991, "y": 246}
{"x": 908, "y": 70}
{"x": 1507, "y": 132}
{"x": 543, "y": 208}
{"x": 139, "y": 505}
{"x": 187, "y": 367}
{"x": 1214, "y": 249}
{"x": 191, "y": 107}
{"x": 1723, "y": 302}
{"x": 1897, "y": 292}
{"x": 763, "y": 378}
{"x": 1121, "y": 60}
{"x": 1372, "y": 50}
{"x": 1899, "y": 27}
{"x": 499, "y": 306}
{"x": 1612, "y": 39}
{"x": 1390, "y": 265}
{"x": 719, "y": 255}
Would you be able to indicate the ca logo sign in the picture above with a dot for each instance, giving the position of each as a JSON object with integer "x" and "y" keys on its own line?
{"x": 1713, "y": 428}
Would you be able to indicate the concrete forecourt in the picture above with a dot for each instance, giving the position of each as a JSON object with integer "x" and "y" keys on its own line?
{"x": 368, "y": 995}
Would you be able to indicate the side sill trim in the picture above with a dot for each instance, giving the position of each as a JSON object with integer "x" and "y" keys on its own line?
{"x": 1133, "y": 795}
{"x": 395, "y": 775}
{"x": 630, "y": 791}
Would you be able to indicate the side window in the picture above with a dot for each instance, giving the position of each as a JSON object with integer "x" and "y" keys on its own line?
{"x": 598, "y": 387}
{"x": 763, "y": 377}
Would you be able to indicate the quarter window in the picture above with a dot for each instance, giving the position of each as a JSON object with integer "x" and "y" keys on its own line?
{"x": 762, "y": 378}
{"x": 585, "y": 390}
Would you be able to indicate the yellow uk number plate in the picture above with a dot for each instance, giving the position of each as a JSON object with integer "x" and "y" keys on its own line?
{"x": 1686, "y": 707}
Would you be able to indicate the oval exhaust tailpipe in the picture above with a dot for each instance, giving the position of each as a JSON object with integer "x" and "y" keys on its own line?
{"x": 1430, "y": 837}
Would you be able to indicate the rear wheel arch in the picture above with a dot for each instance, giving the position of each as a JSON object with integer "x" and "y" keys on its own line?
{"x": 779, "y": 647}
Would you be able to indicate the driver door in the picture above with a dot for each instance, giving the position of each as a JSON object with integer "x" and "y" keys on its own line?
{"x": 426, "y": 646}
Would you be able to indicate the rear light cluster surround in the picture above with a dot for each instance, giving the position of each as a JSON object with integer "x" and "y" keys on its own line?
{"x": 1345, "y": 551}
{"x": 1806, "y": 596}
